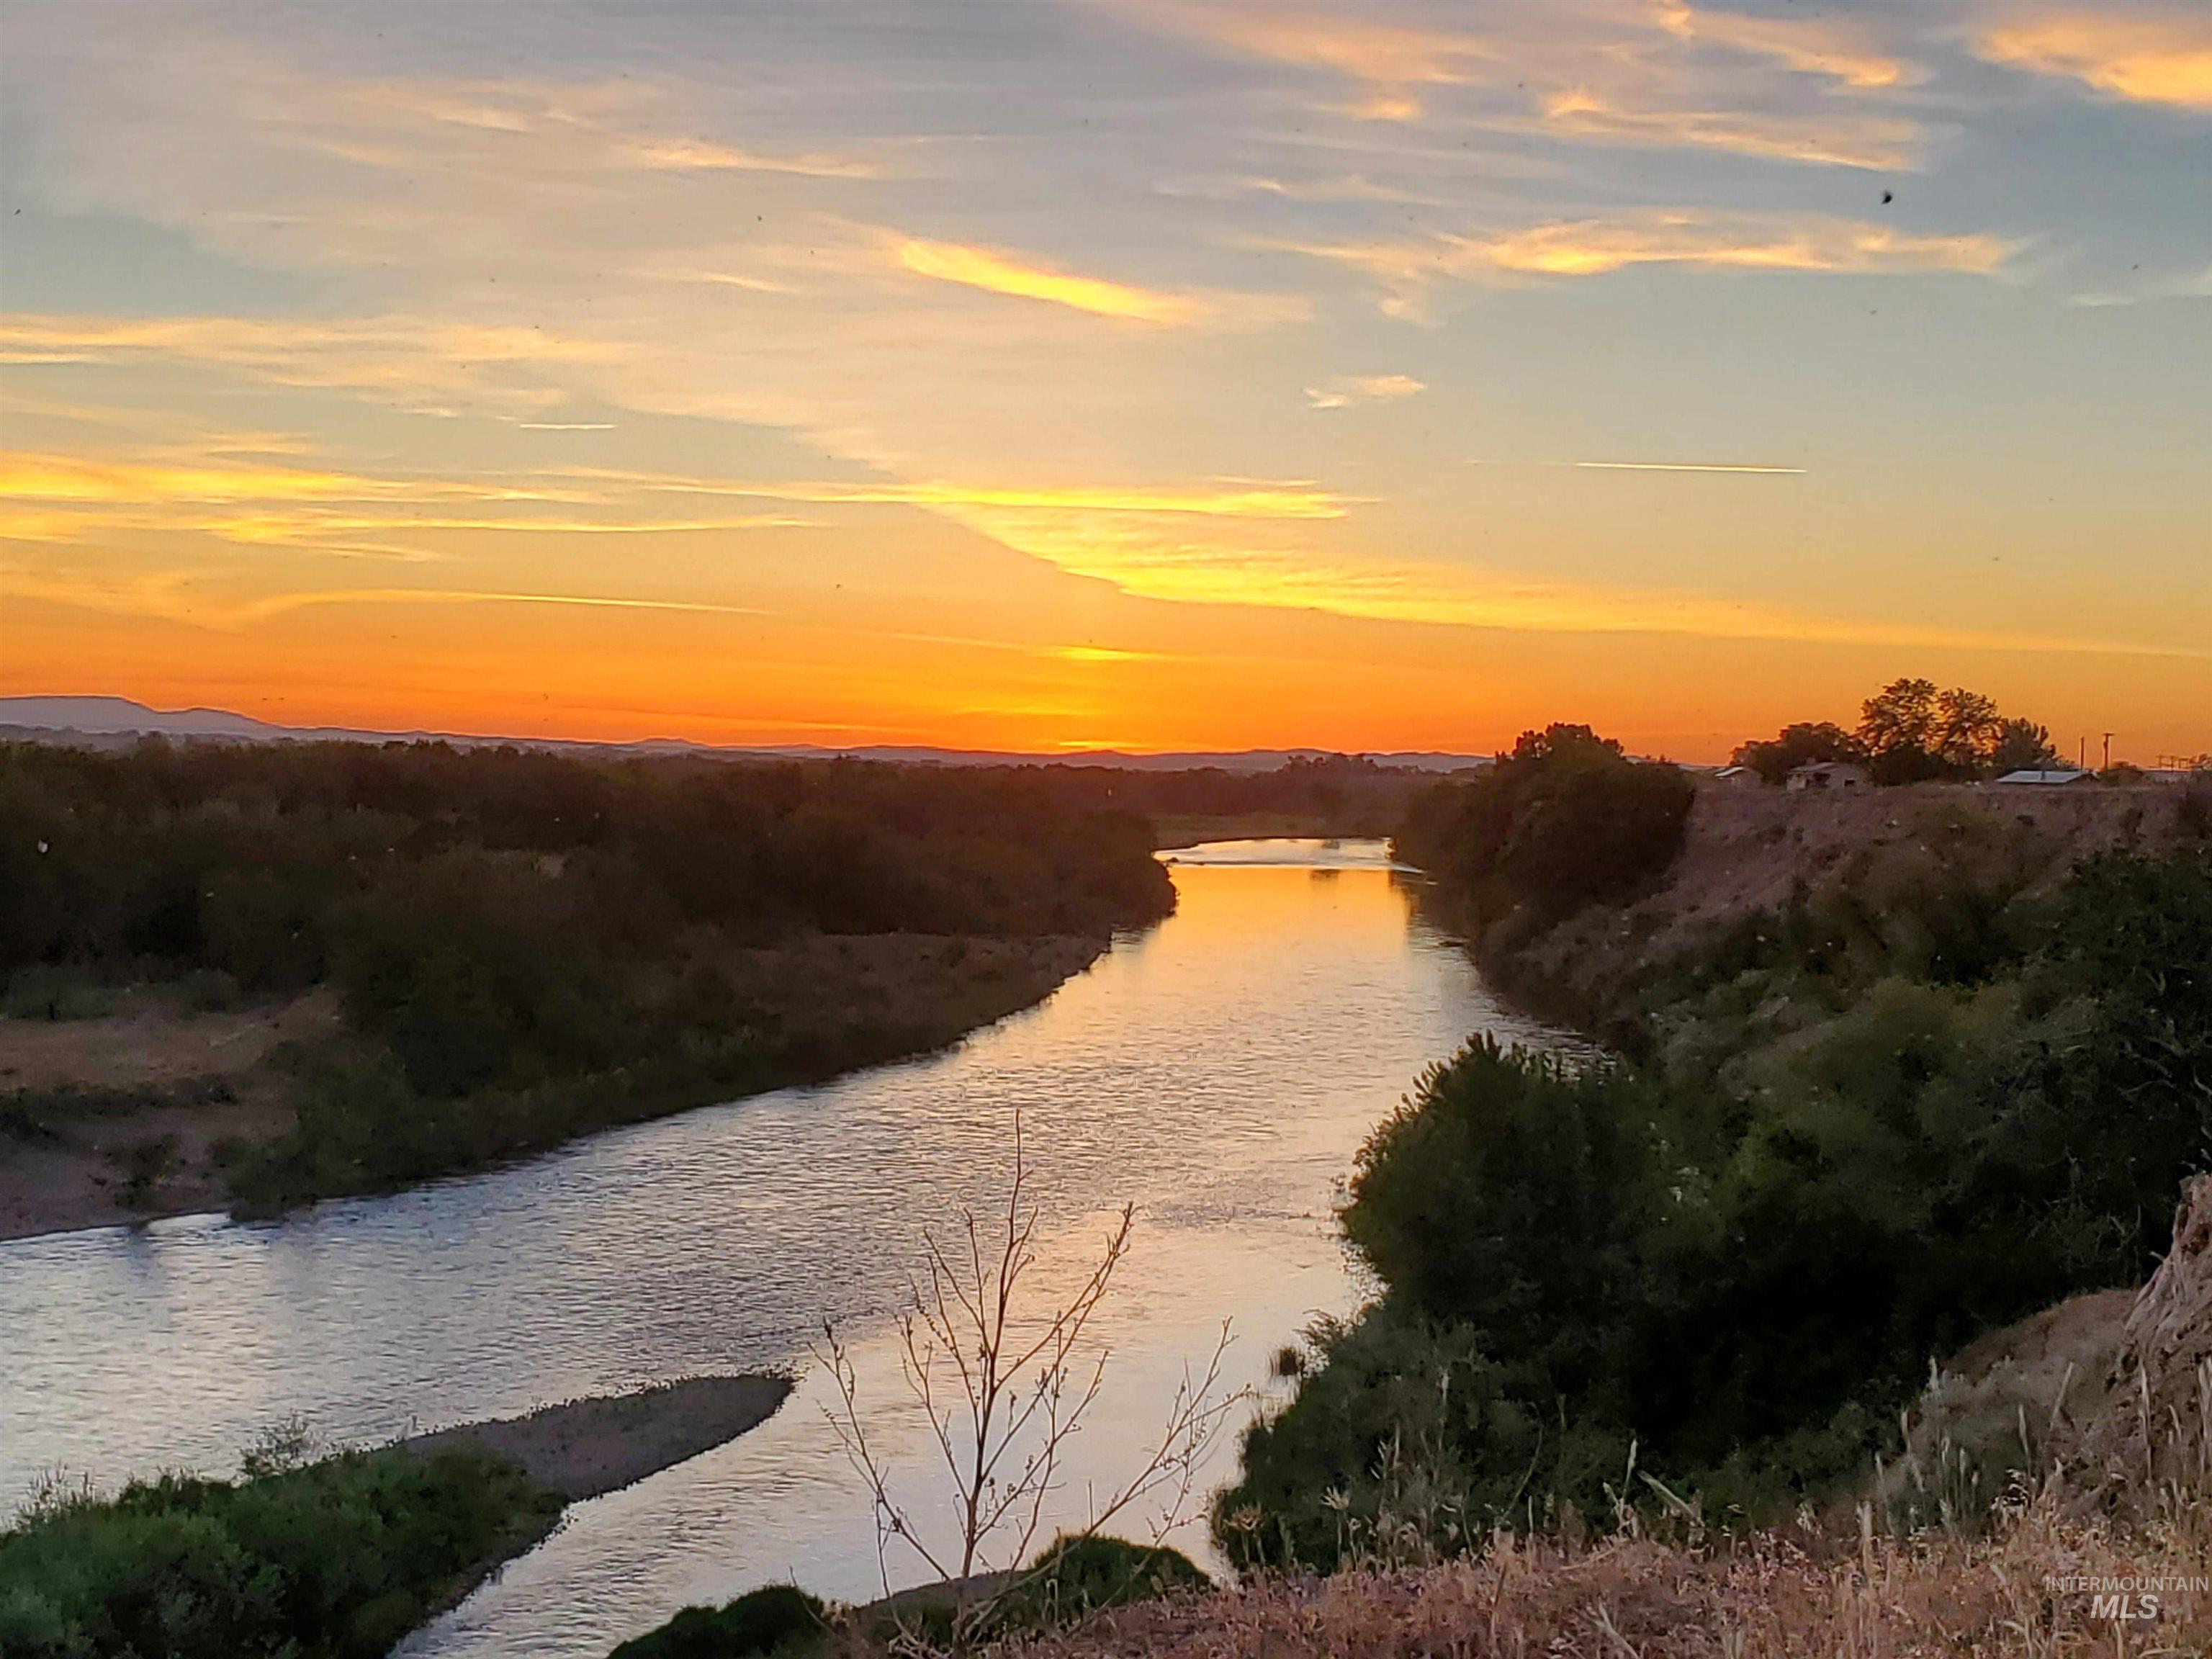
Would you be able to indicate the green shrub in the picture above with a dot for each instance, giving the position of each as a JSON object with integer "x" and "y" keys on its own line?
{"x": 779, "y": 1620}
{"x": 1741, "y": 1257}
{"x": 1564, "y": 821}
{"x": 335, "y": 1559}
{"x": 1076, "y": 1576}
{"x": 1400, "y": 1425}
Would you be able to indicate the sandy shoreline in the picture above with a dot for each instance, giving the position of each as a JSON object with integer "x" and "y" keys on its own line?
{"x": 585, "y": 1448}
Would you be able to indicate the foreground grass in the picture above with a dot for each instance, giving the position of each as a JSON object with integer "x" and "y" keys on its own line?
{"x": 1790, "y": 1593}
{"x": 335, "y": 1559}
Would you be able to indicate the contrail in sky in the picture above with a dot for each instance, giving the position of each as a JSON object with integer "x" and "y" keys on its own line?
{"x": 1682, "y": 466}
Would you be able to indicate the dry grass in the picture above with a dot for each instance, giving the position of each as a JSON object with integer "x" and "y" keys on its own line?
{"x": 1792, "y": 1594}
{"x": 2100, "y": 1544}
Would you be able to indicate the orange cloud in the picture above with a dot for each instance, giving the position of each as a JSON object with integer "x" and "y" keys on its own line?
{"x": 1589, "y": 247}
{"x": 1816, "y": 48}
{"x": 1592, "y": 247}
{"x": 417, "y": 360}
{"x": 1343, "y": 390}
{"x": 1850, "y": 141}
{"x": 63, "y": 500}
{"x": 1555, "y": 56}
{"x": 697, "y": 155}
{"x": 981, "y": 267}
{"x": 1270, "y": 500}
{"x": 78, "y": 479}
{"x": 171, "y": 595}
{"x": 1141, "y": 561}
{"x": 2147, "y": 59}
{"x": 1392, "y": 59}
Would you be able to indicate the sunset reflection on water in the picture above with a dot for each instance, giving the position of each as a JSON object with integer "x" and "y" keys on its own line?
{"x": 1218, "y": 1071}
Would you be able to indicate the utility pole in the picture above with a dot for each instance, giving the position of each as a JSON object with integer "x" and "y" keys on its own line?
{"x": 2108, "y": 751}
{"x": 2082, "y": 755}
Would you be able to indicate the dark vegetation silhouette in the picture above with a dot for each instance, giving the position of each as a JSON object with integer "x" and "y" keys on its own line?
{"x": 1927, "y": 1100}
{"x": 529, "y": 944}
{"x": 1911, "y": 732}
{"x": 1565, "y": 820}
{"x": 778, "y": 1621}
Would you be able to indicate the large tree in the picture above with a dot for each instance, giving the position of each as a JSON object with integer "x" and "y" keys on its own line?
{"x": 1968, "y": 729}
{"x": 1911, "y": 732}
{"x": 1900, "y": 716}
{"x": 2023, "y": 745}
{"x": 1797, "y": 745}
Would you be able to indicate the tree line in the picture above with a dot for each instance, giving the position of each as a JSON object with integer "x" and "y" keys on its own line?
{"x": 527, "y": 944}
{"x": 1912, "y": 733}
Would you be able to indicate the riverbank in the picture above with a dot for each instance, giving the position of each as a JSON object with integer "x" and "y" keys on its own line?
{"x": 153, "y": 1108}
{"x": 1749, "y": 858}
{"x": 1174, "y": 831}
{"x": 1859, "y": 1112}
{"x": 311, "y": 1551}
{"x": 584, "y": 1448}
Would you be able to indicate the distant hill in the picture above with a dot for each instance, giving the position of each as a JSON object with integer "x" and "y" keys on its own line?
{"x": 116, "y": 717}
{"x": 120, "y": 715}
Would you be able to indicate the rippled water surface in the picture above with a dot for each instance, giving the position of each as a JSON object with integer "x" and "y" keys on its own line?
{"x": 1218, "y": 1071}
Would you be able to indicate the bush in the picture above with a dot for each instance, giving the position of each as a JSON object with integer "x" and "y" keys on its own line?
{"x": 779, "y": 1621}
{"x": 335, "y": 1559}
{"x": 1742, "y": 1267}
{"x": 1566, "y": 820}
{"x": 1077, "y": 1577}
{"x": 1403, "y": 1442}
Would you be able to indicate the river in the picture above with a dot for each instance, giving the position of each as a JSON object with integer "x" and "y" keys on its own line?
{"x": 1218, "y": 1071}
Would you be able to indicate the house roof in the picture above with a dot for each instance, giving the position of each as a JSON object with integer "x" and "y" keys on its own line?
{"x": 2053, "y": 775}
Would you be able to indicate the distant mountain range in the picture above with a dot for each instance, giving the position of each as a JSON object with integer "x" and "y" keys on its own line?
{"x": 117, "y": 717}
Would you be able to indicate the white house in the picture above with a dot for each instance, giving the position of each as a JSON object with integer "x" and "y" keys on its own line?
{"x": 1739, "y": 777}
{"x": 1827, "y": 775}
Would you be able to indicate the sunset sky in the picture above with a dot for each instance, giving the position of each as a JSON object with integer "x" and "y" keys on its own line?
{"x": 1151, "y": 375}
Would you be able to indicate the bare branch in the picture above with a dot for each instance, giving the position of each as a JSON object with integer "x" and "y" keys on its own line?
{"x": 1005, "y": 1394}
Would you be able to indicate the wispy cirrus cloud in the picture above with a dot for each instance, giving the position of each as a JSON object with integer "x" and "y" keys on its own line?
{"x": 1689, "y": 466}
{"x": 612, "y": 126}
{"x": 997, "y": 272}
{"x": 698, "y": 156}
{"x": 2146, "y": 56}
{"x": 79, "y": 478}
{"x": 1392, "y": 61}
{"x": 189, "y": 596}
{"x": 1813, "y": 45}
{"x": 1340, "y": 390}
{"x": 75, "y": 501}
{"x": 421, "y": 362}
{"x": 1289, "y": 499}
{"x": 1138, "y": 559}
{"x": 60, "y": 499}
{"x": 1845, "y": 139}
{"x": 1024, "y": 277}
{"x": 1665, "y": 75}
{"x": 1802, "y": 243}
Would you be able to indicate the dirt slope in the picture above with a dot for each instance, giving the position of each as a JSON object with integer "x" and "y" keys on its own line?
{"x": 1747, "y": 850}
